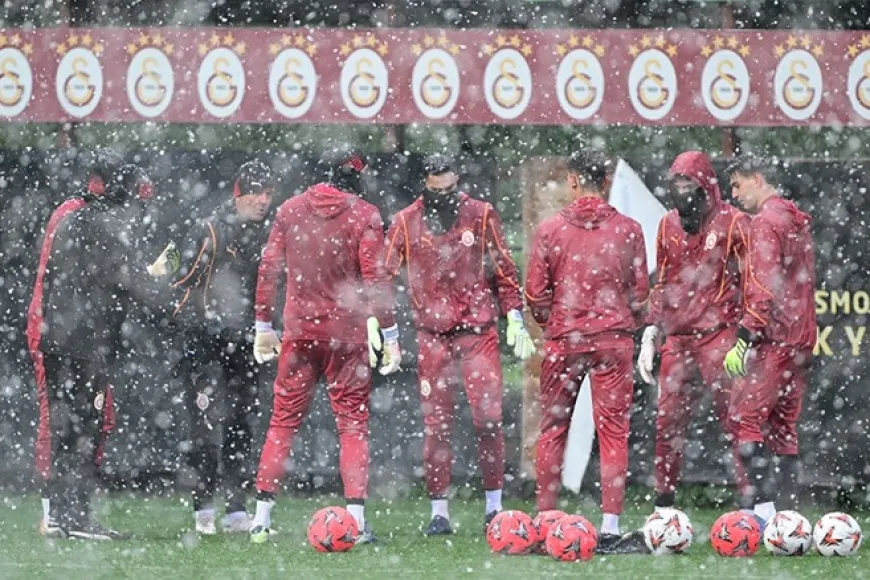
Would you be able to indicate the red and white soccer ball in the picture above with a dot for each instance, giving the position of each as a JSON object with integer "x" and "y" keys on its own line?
{"x": 511, "y": 532}
{"x": 736, "y": 535}
{"x": 332, "y": 529}
{"x": 837, "y": 534}
{"x": 572, "y": 538}
{"x": 668, "y": 531}
{"x": 542, "y": 524}
{"x": 788, "y": 534}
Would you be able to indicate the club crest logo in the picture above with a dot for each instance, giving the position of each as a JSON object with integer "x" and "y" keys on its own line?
{"x": 725, "y": 83}
{"x": 202, "y": 401}
{"x": 221, "y": 77}
{"x": 710, "y": 242}
{"x": 16, "y": 76}
{"x": 79, "y": 79}
{"x": 652, "y": 79}
{"x": 507, "y": 79}
{"x": 99, "y": 401}
{"x": 435, "y": 80}
{"x": 467, "y": 238}
{"x": 798, "y": 83}
{"x": 150, "y": 77}
{"x": 580, "y": 77}
{"x": 858, "y": 82}
{"x": 292, "y": 76}
{"x": 425, "y": 388}
{"x": 365, "y": 79}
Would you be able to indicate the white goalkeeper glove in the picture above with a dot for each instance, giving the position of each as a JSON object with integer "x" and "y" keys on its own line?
{"x": 166, "y": 263}
{"x": 518, "y": 337}
{"x": 647, "y": 354}
{"x": 267, "y": 345}
{"x": 384, "y": 347}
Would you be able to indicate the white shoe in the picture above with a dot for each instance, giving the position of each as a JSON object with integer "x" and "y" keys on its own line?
{"x": 237, "y": 523}
{"x": 205, "y": 525}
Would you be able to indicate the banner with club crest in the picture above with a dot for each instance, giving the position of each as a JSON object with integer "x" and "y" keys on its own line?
{"x": 398, "y": 76}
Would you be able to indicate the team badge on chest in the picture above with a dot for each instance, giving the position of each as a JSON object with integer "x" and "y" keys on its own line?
{"x": 468, "y": 238}
{"x": 710, "y": 242}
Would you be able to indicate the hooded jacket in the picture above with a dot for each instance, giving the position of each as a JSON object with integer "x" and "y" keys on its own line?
{"x": 587, "y": 278}
{"x": 329, "y": 243}
{"x": 698, "y": 277}
{"x": 457, "y": 281}
{"x": 779, "y": 303}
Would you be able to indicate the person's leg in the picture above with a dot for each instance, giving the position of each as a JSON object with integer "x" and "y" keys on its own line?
{"x": 561, "y": 376}
{"x": 42, "y": 449}
{"x": 678, "y": 397}
{"x": 241, "y": 400}
{"x": 480, "y": 365}
{"x": 348, "y": 376}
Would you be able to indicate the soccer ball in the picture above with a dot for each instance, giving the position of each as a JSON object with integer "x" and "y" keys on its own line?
{"x": 788, "y": 534}
{"x": 510, "y": 532}
{"x": 668, "y": 531}
{"x": 572, "y": 538}
{"x": 332, "y": 529}
{"x": 542, "y": 524}
{"x": 736, "y": 535}
{"x": 837, "y": 534}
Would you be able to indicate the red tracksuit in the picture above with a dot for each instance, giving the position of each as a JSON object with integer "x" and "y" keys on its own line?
{"x": 34, "y": 337}
{"x": 457, "y": 284}
{"x": 779, "y": 311}
{"x": 329, "y": 242}
{"x": 586, "y": 285}
{"x": 696, "y": 302}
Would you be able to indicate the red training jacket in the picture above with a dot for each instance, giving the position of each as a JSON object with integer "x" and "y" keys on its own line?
{"x": 35, "y": 311}
{"x": 587, "y": 279}
{"x": 451, "y": 277}
{"x": 329, "y": 242}
{"x": 698, "y": 285}
{"x": 779, "y": 304}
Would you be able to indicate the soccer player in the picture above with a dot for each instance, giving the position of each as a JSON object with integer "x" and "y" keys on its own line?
{"x": 328, "y": 241}
{"x": 774, "y": 345}
{"x": 103, "y": 165}
{"x": 216, "y": 269}
{"x": 587, "y": 284}
{"x": 460, "y": 275}
{"x": 87, "y": 293}
{"x": 695, "y": 304}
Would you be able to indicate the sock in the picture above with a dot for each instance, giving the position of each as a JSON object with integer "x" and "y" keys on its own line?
{"x": 263, "y": 517}
{"x": 206, "y": 513}
{"x": 610, "y": 524}
{"x": 236, "y": 515}
{"x": 46, "y": 509}
{"x": 787, "y": 489}
{"x": 665, "y": 500}
{"x": 357, "y": 510}
{"x": 765, "y": 510}
{"x": 439, "y": 508}
{"x": 493, "y": 501}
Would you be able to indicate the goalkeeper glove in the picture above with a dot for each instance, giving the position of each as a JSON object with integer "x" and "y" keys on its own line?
{"x": 735, "y": 360}
{"x": 267, "y": 345}
{"x": 167, "y": 263}
{"x": 647, "y": 354}
{"x": 518, "y": 337}
{"x": 384, "y": 347}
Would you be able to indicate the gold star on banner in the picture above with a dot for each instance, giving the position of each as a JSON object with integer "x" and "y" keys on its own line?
{"x": 818, "y": 50}
{"x": 526, "y": 50}
{"x": 286, "y": 41}
{"x": 16, "y": 40}
{"x": 791, "y": 42}
{"x": 732, "y": 42}
{"x": 28, "y": 49}
{"x": 73, "y": 39}
{"x": 143, "y": 39}
{"x": 718, "y": 42}
{"x": 646, "y": 41}
{"x": 806, "y": 42}
{"x": 132, "y": 49}
{"x": 169, "y": 49}
{"x": 98, "y": 49}
{"x": 853, "y": 51}
{"x": 561, "y": 50}
{"x": 416, "y": 50}
{"x": 706, "y": 51}
{"x": 358, "y": 41}
{"x": 515, "y": 41}
{"x": 311, "y": 50}
{"x": 442, "y": 41}
{"x": 61, "y": 48}
{"x": 274, "y": 49}
{"x": 428, "y": 41}
{"x": 573, "y": 42}
{"x": 240, "y": 48}
{"x": 299, "y": 41}
{"x": 383, "y": 49}
{"x": 229, "y": 40}
{"x": 345, "y": 50}
{"x": 779, "y": 51}
{"x": 87, "y": 40}
{"x": 588, "y": 41}
{"x": 865, "y": 42}
{"x": 214, "y": 41}
{"x": 672, "y": 50}
{"x": 203, "y": 49}
{"x": 633, "y": 50}
{"x": 488, "y": 50}
{"x": 660, "y": 41}
{"x": 743, "y": 51}
{"x": 454, "y": 50}
{"x": 500, "y": 40}
{"x": 371, "y": 41}
{"x": 3, "y": 40}
{"x": 157, "y": 40}
{"x": 599, "y": 50}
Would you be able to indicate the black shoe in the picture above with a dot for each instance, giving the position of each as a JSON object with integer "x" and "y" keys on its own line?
{"x": 367, "y": 536}
{"x": 487, "y": 519}
{"x": 630, "y": 543}
{"x": 93, "y": 531}
{"x": 439, "y": 526}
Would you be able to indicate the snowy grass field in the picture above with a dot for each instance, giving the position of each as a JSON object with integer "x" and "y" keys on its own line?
{"x": 166, "y": 548}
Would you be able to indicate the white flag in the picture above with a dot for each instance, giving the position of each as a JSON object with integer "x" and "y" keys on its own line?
{"x": 630, "y": 197}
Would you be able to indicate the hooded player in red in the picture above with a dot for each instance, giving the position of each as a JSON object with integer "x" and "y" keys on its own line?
{"x": 696, "y": 305}
{"x": 774, "y": 345}
{"x": 587, "y": 284}
{"x": 103, "y": 165}
{"x": 460, "y": 276}
{"x": 328, "y": 241}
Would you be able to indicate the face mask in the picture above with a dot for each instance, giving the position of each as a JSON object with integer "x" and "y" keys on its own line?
{"x": 691, "y": 206}
{"x": 442, "y": 199}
